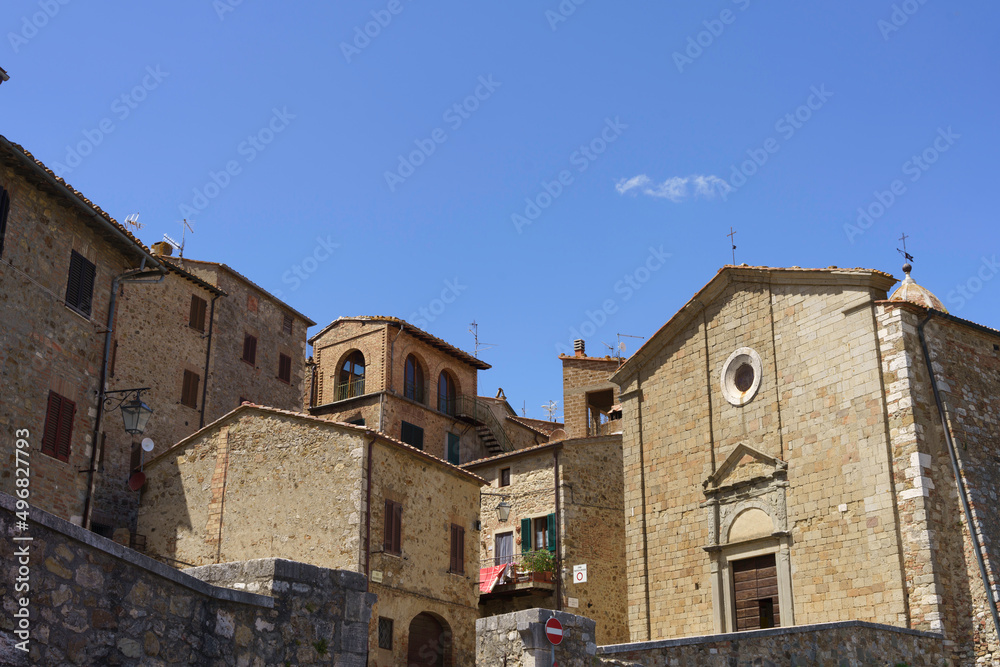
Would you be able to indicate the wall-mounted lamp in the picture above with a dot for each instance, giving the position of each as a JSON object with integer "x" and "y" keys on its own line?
{"x": 135, "y": 413}
{"x": 503, "y": 509}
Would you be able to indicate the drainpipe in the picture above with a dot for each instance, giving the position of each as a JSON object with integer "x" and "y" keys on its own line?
{"x": 962, "y": 494}
{"x": 368, "y": 514}
{"x": 559, "y": 575}
{"x": 133, "y": 275}
{"x": 208, "y": 355}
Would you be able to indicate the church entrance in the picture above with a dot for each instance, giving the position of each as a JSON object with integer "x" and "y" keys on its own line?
{"x": 429, "y": 643}
{"x": 755, "y": 593}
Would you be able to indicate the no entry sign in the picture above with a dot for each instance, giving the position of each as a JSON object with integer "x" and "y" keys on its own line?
{"x": 554, "y": 630}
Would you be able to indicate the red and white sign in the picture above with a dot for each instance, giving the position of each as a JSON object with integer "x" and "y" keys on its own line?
{"x": 554, "y": 630}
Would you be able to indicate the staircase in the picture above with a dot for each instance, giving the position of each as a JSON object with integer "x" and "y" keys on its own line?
{"x": 489, "y": 428}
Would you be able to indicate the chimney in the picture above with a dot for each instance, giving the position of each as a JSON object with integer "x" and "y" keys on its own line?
{"x": 578, "y": 348}
{"x": 162, "y": 248}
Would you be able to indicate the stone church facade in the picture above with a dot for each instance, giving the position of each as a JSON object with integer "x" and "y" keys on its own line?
{"x": 785, "y": 461}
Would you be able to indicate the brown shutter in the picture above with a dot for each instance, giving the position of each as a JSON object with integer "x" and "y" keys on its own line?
{"x": 51, "y": 434}
{"x": 387, "y": 533}
{"x": 397, "y": 528}
{"x": 66, "y": 413}
{"x": 461, "y": 550}
{"x": 453, "y": 563}
{"x": 196, "y": 319}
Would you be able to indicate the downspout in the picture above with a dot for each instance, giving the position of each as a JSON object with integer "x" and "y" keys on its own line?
{"x": 208, "y": 355}
{"x": 642, "y": 492}
{"x": 962, "y": 494}
{"x": 368, "y": 514}
{"x": 127, "y": 276}
{"x": 559, "y": 574}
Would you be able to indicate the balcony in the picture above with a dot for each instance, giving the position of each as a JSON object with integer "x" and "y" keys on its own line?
{"x": 351, "y": 389}
{"x": 606, "y": 428}
{"x": 531, "y": 573}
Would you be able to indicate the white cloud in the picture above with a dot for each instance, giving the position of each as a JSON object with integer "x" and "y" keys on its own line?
{"x": 675, "y": 188}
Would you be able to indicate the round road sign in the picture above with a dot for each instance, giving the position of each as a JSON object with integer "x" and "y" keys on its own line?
{"x": 554, "y": 630}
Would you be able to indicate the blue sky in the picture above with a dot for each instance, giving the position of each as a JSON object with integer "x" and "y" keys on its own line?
{"x": 599, "y": 153}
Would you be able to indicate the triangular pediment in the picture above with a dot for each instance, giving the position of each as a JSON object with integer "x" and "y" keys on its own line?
{"x": 744, "y": 464}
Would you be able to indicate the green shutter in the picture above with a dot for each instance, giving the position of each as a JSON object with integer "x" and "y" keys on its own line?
{"x": 525, "y": 535}
{"x": 552, "y": 532}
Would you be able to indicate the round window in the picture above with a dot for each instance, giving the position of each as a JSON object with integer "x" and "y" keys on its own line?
{"x": 741, "y": 376}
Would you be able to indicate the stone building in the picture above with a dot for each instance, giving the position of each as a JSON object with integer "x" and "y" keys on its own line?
{"x": 787, "y": 462}
{"x": 267, "y": 483}
{"x": 388, "y": 375}
{"x": 62, "y": 261}
{"x": 565, "y": 501}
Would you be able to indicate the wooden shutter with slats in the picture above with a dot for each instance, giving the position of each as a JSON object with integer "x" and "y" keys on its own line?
{"x": 525, "y": 535}
{"x": 552, "y": 532}
{"x": 58, "y": 435}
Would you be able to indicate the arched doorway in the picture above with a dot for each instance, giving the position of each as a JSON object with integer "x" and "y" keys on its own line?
{"x": 429, "y": 644}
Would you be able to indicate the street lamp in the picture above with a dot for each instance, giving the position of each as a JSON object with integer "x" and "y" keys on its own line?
{"x": 503, "y": 509}
{"x": 135, "y": 413}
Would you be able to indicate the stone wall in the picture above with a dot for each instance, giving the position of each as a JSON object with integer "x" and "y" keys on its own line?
{"x": 846, "y": 644}
{"x": 518, "y": 640}
{"x": 262, "y": 484}
{"x": 92, "y": 601}
{"x": 45, "y": 345}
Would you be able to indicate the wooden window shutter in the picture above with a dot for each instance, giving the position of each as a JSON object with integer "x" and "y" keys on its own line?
{"x": 284, "y": 368}
{"x": 4, "y": 210}
{"x": 552, "y": 532}
{"x": 397, "y": 528}
{"x": 459, "y": 549}
{"x": 189, "y": 390}
{"x": 196, "y": 320}
{"x": 525, "y": 535}
{"x": 387, "y": 530}
{"x": 80, "y": 283}
{"x": 250, "y": 349}
{"x": 453, "y": 565}
{"x": 287, "y": 324}
{"x": 66, "y": 413}
{"x": 51, "y": 434}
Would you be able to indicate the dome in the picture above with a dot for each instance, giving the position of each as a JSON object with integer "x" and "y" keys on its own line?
{"x": 913, "y": 293}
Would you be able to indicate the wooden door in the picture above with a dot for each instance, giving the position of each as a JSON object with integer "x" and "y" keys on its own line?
{"x": 755, "y": 593}
{"x": 429, "y": 644}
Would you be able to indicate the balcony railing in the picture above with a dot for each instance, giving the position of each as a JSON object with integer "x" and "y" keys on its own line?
{"x": 521, "y": 570}
{"x": 607, "y": 428}
{"x": 469, "y": 407}
{"x": 350, "y": 389}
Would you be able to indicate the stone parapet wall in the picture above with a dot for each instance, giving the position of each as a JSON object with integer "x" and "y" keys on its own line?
{"x": 844, "y": 644}
{"x": 518, "y": 640}
{"x": 92, "y": 601}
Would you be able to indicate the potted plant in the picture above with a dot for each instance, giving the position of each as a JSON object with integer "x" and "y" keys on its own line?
{"x": 541, "y": 565}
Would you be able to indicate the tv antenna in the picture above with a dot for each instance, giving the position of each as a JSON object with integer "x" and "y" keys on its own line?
{"x": 621, "y": 345}
{"x": 133, "y": 222}
{"x": 474, "y": 330}
{"x": 551, "y": 409}
{"x": 732, "y": 242}
{"x": 179, "y": 246}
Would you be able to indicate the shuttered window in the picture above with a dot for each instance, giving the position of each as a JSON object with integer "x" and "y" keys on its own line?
{"x": 287, "y": 324}
{"x": 284, "y": 368}
{"x": 412, "y": 434}
{"x": 538, "y": 534}
{"x": 4, "y": 210}
{"x": 58, "y": 426}
{"x": 250, "y": 349}
{"x": 196, "y": 320}
{"x": 392, "y": 538}
{"x": 189, "y": 390}
{"x": 457, "y": 550}
{"x": 80, "y": 286}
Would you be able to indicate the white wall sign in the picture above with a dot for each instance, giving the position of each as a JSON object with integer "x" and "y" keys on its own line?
{"x": 377, "y": 576}
{"x": 579, "y": 574}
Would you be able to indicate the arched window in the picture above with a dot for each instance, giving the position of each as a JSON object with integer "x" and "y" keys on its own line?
{"x": 446, "y": 393}
{"x": 413, "y": 383}
{"x": 351, "y": 382}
